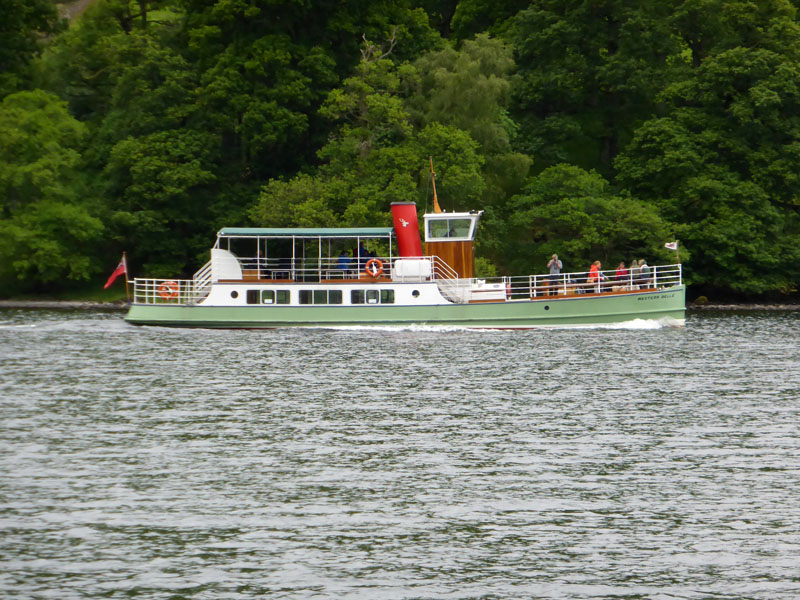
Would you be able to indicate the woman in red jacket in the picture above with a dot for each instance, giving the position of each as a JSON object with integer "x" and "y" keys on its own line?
{"x": 621, "y": 273}
{"x": 595, "y": 276}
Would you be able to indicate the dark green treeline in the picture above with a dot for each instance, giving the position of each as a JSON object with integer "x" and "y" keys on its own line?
{"x": 596, "y": 129}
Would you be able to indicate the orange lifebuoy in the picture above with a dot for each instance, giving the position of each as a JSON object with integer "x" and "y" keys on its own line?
{"x": 168, "y": 290}
{"x": 374, "y": 267}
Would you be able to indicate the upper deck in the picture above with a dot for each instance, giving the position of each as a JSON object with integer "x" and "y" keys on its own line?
{"x": 244, "y": 274}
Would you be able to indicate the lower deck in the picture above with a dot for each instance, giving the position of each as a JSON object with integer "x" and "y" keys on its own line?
{"x": 322, "y": 308}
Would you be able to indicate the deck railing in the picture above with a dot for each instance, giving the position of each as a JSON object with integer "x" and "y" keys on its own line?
{"x": 329, "y": 268}
{"x": 532, "y": 286}
{"x": 202, "y": 280}
{"x": 191, "y": 291}
{"x": 314, "y": 269}
{"x": 166, "y": 291}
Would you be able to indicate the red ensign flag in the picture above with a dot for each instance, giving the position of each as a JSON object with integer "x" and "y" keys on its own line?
{"x": 122, "y": 267}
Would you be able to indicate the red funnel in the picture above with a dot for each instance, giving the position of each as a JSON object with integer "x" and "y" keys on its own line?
{"x": 406, "y": 228}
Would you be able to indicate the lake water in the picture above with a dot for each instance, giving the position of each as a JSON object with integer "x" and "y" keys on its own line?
{"x": 636, "y": 462}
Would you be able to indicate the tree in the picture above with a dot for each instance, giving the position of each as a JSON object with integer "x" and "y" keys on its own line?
{"x": 47, "y": 225}
{"x": 727, "y": 180}
{"x": 440, "y": 13}
{"x": 588, "y": 74}
{"x": 266, "y": 69}
{"x": 720, "y": 163}
{"x": 469, "y": 89}
{"x": 473, "y": 17}
{"x": 577, "y": 215}
{"x": 374, "y": 157}
{"x": 23, "y": 25}
{"x": 163, "y": 210}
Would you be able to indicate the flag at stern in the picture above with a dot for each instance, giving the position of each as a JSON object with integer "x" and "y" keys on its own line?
{"x": 122, "y": 267}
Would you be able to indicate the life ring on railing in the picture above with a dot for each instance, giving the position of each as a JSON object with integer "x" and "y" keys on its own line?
{"x": 373, "y": 268}
{"x": 168, "y": 290}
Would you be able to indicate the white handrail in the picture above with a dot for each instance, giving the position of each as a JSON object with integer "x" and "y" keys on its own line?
{"x": 532, "y": 286}
{"x": 459, "y": 290}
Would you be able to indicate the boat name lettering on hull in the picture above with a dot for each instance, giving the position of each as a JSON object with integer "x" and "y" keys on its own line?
{"x": 659, "y": 297}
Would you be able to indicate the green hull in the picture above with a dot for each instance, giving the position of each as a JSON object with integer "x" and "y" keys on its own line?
{"x": 668, "y": 304}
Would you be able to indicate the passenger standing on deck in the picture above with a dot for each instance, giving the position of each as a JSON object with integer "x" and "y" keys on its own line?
{"x": 343, "y": 264}
{"x": 621, "y": 273}
{"x": 362, "y": 256}
{"x": 595, "y": 276}
{"x": 555, "y": 267}
{"x": 644, "y": 272}
{"x": 633, "y": 271}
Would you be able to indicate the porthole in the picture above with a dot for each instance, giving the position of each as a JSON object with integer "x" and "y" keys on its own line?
{"x": 546, "y": 307}
{"x": 415, "y": 293}
{"x": 234, "y": 294}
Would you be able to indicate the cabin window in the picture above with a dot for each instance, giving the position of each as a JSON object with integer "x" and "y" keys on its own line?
{"x": 371, "y": 297}
{"x": 449, "y": 228}
{"x": 252, "y": 296}
{"x": 271, "y": 296}
{"x": 318, "y": 297}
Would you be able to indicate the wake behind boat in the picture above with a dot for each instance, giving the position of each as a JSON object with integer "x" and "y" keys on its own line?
{"x": 306, "y": 277}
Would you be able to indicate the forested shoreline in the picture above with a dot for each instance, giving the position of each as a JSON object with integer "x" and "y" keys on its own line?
{"x": 594, "y": 129}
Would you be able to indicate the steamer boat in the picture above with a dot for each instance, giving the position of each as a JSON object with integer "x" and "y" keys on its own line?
{"x": 266, "y": 278}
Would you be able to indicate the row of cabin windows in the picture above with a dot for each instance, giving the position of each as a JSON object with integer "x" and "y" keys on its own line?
{"x": 268, "y": 296}
{"x": 320, "y": 297}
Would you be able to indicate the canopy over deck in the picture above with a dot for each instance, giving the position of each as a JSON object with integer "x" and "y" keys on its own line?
{"x": 307, "y": 232}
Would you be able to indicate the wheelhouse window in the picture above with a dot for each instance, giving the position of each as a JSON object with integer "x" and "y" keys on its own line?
{"x": 449, "y": 229}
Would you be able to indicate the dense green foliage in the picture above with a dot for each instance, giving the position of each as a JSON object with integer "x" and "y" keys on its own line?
{"x": 598, "y": 130}
{"x": 22, "y": 26}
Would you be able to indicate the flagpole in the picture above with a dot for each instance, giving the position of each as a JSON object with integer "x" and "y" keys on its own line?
{"x": 125, "y": 262}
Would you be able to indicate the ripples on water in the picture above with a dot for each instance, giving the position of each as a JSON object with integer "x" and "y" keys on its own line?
{"x": 594, "y": 463}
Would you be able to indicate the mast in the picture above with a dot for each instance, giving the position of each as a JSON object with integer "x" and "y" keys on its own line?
{"x": 436, "y": 207}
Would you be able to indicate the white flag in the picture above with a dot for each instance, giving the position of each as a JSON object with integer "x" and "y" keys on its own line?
{"x": 671, "y": 245}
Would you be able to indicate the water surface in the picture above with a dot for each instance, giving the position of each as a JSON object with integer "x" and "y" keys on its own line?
{"x": 634, "y": 462}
